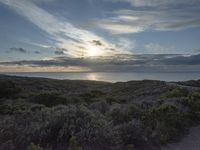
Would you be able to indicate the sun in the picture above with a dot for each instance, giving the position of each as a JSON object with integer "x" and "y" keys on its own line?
{"x": 93, "y": 51}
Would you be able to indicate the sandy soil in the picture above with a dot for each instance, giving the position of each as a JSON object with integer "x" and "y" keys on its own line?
{"x": 190, "y": 142}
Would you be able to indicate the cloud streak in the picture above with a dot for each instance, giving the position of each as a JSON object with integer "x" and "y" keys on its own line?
{"x": 66, "y": 35}
{"x": 19, "y": 50}
{"x": 147, "y": 15}
{"x": 155, "y": 48}
{"x": 127, "y": 63}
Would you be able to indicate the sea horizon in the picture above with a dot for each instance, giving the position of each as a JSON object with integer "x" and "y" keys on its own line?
{"x": 111, "y": 76}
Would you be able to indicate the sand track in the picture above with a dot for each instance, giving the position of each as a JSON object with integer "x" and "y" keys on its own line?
{"x": 189, "y": 142}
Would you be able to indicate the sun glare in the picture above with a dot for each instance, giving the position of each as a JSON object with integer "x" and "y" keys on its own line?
{"x": 92, "y": 76}
{"x": 93, "y": 51}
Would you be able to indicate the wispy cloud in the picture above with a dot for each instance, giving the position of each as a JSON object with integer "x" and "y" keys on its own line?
{"x": 155, "y": 48}
{"x": 39, "y": 45}
{"x": 66, "y": 35}
{"x": 158, "y": 15}
{"x": 37, "y": 52}
{"x": 19, "y": 50}
{"x": 152, "y": 3}
{"x": 58, "y": 52}
{"x": 115, "y": 26}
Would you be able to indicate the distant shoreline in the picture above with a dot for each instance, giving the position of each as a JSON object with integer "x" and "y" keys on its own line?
{"x": 111, "y": 76}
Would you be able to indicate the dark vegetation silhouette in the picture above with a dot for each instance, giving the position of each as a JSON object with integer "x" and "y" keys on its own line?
{"x": 46, "y": 114}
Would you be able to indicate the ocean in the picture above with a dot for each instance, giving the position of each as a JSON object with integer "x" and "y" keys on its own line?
{"x": 112, "y": 76}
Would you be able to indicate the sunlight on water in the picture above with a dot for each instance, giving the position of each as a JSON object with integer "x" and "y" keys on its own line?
{"x": 92, "y": 76}
{"x": 113, "y": 77}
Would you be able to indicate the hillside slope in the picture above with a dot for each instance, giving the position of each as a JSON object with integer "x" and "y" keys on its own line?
{"x": 48, "y": 114}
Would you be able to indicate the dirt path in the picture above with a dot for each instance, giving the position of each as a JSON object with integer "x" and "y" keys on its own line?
{"x": 190, "y": 142}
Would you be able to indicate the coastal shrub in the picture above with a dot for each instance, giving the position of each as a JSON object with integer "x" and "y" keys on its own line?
{"x": 5, "y": 108}
{"x": 194, "y": 83}
{"x": 95, "y": 119}
{"x": 166, "y": 121}
{"x": 110, "y": 100}
{"x": 73, "y": 144}
{"x": 33, "y": 146}
{"x": 178, "y": 92}
{"x": 10, "y": 107}
{"x": 97, "y": 93}
{"x": 49, "y": 99}
{"x": 89, "y": 97}
{"x": 134, "y": 111}
{"x": 119, "y": 117}
{"x": 130, "y": 147}
{"x": 194, "y": 105}
{"x": 53, "y": 126}
{"x": 8, "y": 89}
{"x": 131, "y": 133}
{"x": 101, "y": 106}
{"x": 194, "y": 101}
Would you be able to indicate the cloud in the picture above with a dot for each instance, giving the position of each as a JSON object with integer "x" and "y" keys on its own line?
{"x": 153, "y": 3}
{"x": 39, "y": 45}
{"x": 183, "y": 60}
{"x": 61, "y": 49}
{"x": 20, "y": 50}
{"x": 115, "y": 26}
{"x": 59, "y": 52}
{"x": 143, "y": 62}
{"x": 155, "y": 48}
{"x": 126, "y": 43}
{"x": 65, "y": 33}
{"x": 37, "y": 52}
{"x": 147, "y": 15}
{"x": 42, "y": 1}
{"x": 197, "y": 50}
{"x": 97, "y": 43}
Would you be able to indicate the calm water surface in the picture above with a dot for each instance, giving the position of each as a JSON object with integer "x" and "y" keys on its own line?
{"x": 113, "y": 77}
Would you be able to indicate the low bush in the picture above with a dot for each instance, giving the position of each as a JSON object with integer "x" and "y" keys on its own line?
{"x": 50, "y": 99}
{"x": 8, "y": 89}
{"x": 166, "y": 122}
{"x": 178, "y": 92}
{"x": 124, "y": 116}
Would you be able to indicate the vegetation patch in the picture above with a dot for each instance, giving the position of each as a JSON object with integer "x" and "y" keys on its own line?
{"x": 137, "y": 118}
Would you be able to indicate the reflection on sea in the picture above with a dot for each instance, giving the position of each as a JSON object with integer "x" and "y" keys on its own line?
{"x": 92, "y": 76}
{"x": 112, "y": 76}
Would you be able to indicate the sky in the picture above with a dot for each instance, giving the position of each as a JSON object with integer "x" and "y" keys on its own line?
{"x": 99, "y": 35}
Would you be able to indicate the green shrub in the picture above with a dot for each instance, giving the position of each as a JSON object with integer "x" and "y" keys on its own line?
{"x": 119, "y": 117}
{"x": 130, "y": 147}
{"x": 166, "y": 121}
{"x": 101, "y": 106}
{"x": 110, "y": 100}
{"x": 73, "y": 144}
{"x": 8, "y": 89}
{"x": 178, "y": 92}
{"x": 49, "y": 99}
{"x": 33, "y": 146}
{"x": 194, "y": 105}
{"x": 89, "y": 97}
{"x": 134, "y": 112}
{"x": 131, "y": 133}
{"x": 195, "y": 83}
{"x": 11, "y": 107}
